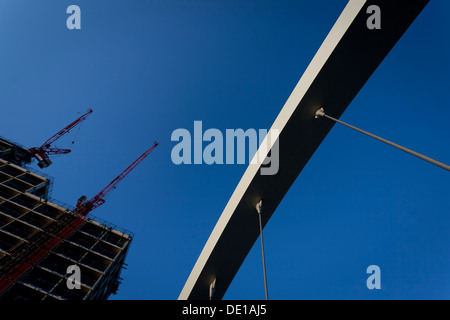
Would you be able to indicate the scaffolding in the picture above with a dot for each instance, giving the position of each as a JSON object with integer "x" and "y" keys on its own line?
{"x": 14, "y": 153}
{"x": 40, "y": 239}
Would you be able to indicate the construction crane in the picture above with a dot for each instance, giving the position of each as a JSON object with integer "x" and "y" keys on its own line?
{"x": 24, "y": 257}
{"x": 43, "y": 152}
{"x": 83, "y": 207}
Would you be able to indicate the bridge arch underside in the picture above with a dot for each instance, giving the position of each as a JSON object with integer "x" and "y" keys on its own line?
{"x": 343, "y": 64}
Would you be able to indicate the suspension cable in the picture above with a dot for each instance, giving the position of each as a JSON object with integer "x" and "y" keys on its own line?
{"x": 259, "y": 210}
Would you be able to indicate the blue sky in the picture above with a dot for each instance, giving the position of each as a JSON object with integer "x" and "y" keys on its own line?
{"x": 147, "y": 68}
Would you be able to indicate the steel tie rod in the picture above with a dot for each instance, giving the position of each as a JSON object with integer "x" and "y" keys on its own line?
{"x": 321, "y": 113}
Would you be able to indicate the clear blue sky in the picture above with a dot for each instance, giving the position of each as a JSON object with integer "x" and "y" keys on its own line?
{"x": 150, "y": 67}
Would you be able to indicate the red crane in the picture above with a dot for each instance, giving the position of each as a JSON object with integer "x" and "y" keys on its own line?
{"x": 83, "y": 207}
{"x": 20, "y": 261}
{"x": 43, "y": 152}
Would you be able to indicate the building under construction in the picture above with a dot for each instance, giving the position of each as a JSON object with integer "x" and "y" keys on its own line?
{"x": 40, "y": 239}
